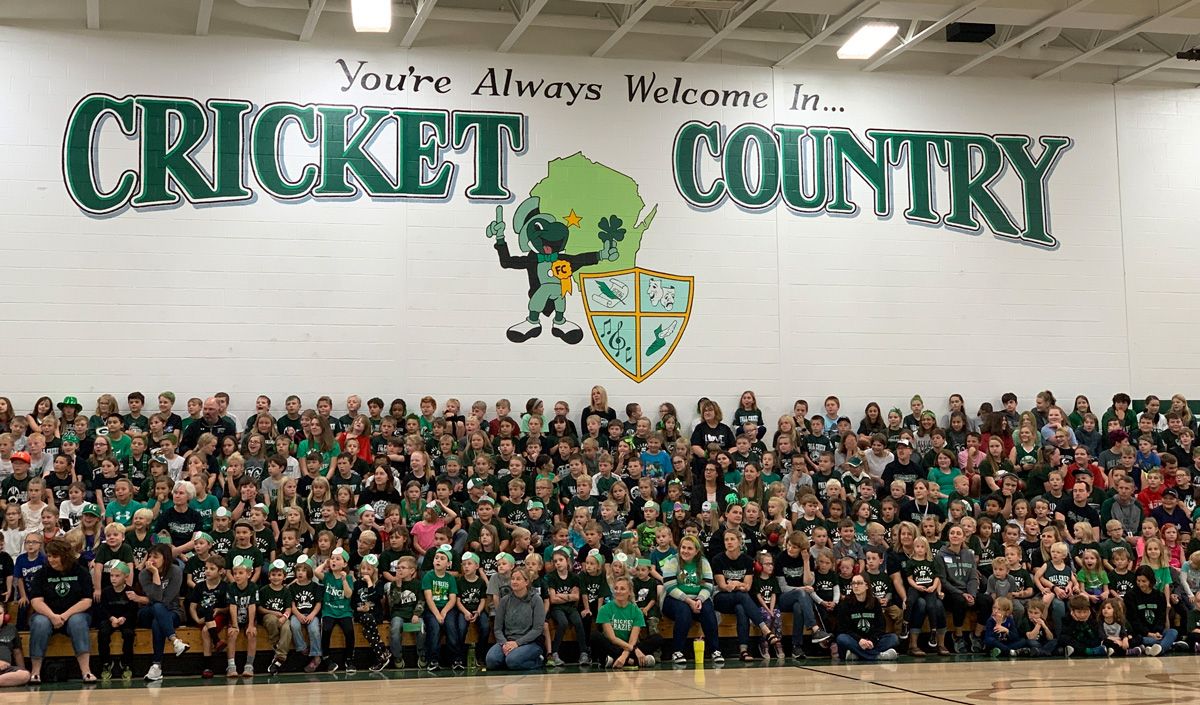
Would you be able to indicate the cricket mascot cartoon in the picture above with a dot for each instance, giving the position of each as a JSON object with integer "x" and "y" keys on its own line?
{"x": 543, "y": 239}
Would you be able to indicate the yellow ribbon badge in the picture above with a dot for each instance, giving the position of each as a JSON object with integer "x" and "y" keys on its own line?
{"x": 562, "y": 271}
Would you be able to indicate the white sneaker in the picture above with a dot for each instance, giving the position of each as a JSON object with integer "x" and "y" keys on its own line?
{"x": 889, "y": 655}
{"x": 181, "y": 647}
{"x": 718, "y": 657}
{"x": 155, "y": 672}
{"x": 677, "y": 657}
{"x": 650, "y": 662}
{"x": 850, "y": 656}
{"x": 1154, "y": 650}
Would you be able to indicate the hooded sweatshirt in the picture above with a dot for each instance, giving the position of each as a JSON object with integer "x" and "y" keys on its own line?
{"x": 959, "y": 570}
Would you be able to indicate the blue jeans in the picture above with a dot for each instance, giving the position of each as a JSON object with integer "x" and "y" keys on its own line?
{"x": 453, "y": 627}
{"x": 1169, "y": 636}
{"x": 681, "y": 616}
{"x": 162, "y": 621}
{"x": 313, "y": 644}
{"x": 922, "y": 605}
{"x": 847, "y": 643}
{"x": 742, "y": 607}
{"x": 800, "y": 604}
{"x": 484, "y": 626}
{"x": 76, "y": 627}
{"x": 522, "y": 658}
{"x": 396, "y": 635}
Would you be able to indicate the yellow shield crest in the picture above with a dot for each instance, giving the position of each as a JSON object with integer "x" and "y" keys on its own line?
{"x": 637, "y": 316}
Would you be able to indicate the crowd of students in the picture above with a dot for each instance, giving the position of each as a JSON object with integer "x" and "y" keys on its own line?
{"x": 1000, "y": 531}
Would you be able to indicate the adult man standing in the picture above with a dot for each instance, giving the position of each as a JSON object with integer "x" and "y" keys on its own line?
{"x": 210, "y": 421}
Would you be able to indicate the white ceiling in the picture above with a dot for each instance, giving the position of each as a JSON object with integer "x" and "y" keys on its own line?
{"x": 1107, "y": 41}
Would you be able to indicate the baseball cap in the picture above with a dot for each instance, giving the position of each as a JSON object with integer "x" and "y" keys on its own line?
{"x": 1171, "y": 492}
{"x": 903, "y": 443}
{"x": 92, "y": 509}
{"x": 22, "y": 456}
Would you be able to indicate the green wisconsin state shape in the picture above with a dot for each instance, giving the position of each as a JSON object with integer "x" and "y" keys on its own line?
{"x": 594, "y": 191}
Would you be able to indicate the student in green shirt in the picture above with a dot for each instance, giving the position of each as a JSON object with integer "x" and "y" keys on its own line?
{"x": 622, "y": 639}
{"x": 335, "y": 607}
{"x": 688, "y": 589}
{"x": 243, "y": 606}
{"x": 406, "y": 599}
{"x": 122, "y": 507}
{"x": 441, "y": 594}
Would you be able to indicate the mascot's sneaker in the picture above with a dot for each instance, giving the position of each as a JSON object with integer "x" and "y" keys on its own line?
{"x": 567, "y": 331}
{"x": 525, "y": 330}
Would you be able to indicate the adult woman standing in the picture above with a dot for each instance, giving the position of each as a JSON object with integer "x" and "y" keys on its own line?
{"x": 709, "y": 430}
{"x": 622, "y": 635}
{"x": 860, "y": 626}
{"x": 688, "y": 588}
{"x": 60, "y": 599}
{"x": 161, "y": 580}
{"x": 180, "y": 520}
{"x": 598, "y": 405}
{"x": 519, "y": 622}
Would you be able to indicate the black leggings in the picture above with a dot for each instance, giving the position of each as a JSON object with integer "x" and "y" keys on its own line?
{"x": 370, "y": 629}
{"x": 562, "y": 618}
{"x": 346, "y": 624}
{"x": 957, "y": 607}
{"x": 648, "y": 643}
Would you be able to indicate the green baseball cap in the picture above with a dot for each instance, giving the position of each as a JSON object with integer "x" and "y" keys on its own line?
{"x": 92, "y": 509}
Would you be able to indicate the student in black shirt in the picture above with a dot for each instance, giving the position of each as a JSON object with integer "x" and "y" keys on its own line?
{"x": 733, "y": 573}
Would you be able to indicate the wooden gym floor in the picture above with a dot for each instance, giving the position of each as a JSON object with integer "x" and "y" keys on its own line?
{"x": 1143, "y": 681}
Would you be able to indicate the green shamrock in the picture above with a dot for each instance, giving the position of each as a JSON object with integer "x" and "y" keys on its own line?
{"x": 611, "y": 230}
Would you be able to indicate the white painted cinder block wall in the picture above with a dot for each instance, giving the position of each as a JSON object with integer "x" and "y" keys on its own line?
{"x": 403, "y": 299}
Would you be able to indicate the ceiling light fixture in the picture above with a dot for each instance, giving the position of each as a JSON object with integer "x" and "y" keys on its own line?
{"x": 371, "y": 15}
{"x": 869, "y": 39}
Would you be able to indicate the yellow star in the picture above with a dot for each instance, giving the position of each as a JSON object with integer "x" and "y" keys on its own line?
{"x": 573, "y": 219}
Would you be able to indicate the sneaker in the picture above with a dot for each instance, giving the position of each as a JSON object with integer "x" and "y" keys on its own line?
{"x": 248, "y": 671}
{"x": 717, "y": 657}
{"x": 1135, "y": 651}
{"x": 331, "y": 666}
{"x": 421, "y": 663}
{"x": 458, "y": 666}
{"x": 555, "y": 661}
{"x": 650, "y": 662}
{"x": 230, "y": 671}
{"x": 181, "y": 647}
{"x": 275, "y": 666}
{"x": 382, "y": 664}
{"x": 903, "y": 633}
{"x": 1108, "y": 651}
{"x": 1068, "y": 651}
{"x": 1022, "y": 652}
{"x": 798, "y": 654}
{"x": 764, "y": 649}
{"x": 976, "y": 643}
{"x": 994, "y": 653}
{"x": 585, "y": 659}
{"x": 888, "y": 655}
{"x": 433, "y": 666}
{"x": 1154, "y": 650}
{"x": 961, "y": 645}
{"x": 1180, "y": 647}
{"x": 206, "y": 674}
{"x": 608, "y": 661}
{"x": 677, "y": 657}
{"x": 851, "y": 656}
{"x": 155, "y": 673}
{"x": 820, "y": 636}
{"x": 106, "y": 673}
{"x": 126, "y": 673}
{"x": 313, "y": 663}
{"x": 351, "y": 669}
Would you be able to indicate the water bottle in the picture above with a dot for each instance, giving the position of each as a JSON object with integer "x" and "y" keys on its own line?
{"x": 471, "y": 660}
{"x": 698, "y": 645}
